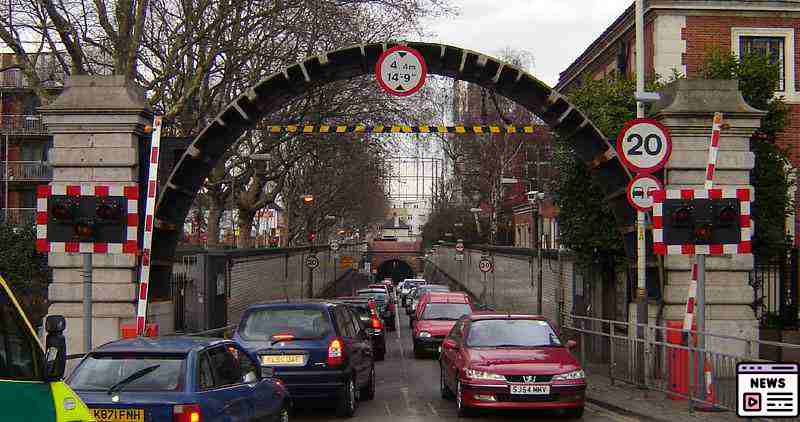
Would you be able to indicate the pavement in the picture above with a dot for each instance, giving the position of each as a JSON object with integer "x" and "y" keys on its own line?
{"x": 644, "y": 405}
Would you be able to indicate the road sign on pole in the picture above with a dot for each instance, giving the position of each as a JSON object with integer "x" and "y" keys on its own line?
{"x": 334, "y": 245}
{"x": 401, "y": 71}
{"x": 346, "y": 261}
{"x": 312, "y": 261}
{"x": 644, "y": 145}
{"x": 640, "y": 191}
{"x": 460, "y": 247}
{"x": 459, "y": 256}
{"x": 485, "y": 265}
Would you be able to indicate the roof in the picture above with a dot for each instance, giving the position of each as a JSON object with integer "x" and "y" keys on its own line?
{"x": 166, "y": 344}
{"x": 448, "y": 297}
{"x": 484, "y": 315}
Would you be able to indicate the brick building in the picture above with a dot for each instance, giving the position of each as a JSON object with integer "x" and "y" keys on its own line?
{"x": 678, "y": 34}
{"x": 24, "y": 141}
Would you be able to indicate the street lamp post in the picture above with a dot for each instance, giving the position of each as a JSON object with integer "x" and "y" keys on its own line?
{"x": 308, "y": 200}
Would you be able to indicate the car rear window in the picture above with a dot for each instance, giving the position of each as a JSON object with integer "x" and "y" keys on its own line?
{"x": 511, "y": 333}
{"x": 98, "y": 372}
{"x": 363, "y": 312}
{"x": 307, "y": 323}
{"x": 445, "y": 311}
{"x": 379, "y": 297}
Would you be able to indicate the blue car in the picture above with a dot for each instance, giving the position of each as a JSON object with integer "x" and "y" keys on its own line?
{"x": 179, "y": 379}
{"x": 320, "y": 350}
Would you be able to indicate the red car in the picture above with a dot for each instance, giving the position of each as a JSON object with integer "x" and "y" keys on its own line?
{"x": 436, "y": 315}
{"x": 502, "y": 361}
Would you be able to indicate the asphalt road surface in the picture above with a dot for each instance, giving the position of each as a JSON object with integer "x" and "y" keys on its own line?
{"x": 408, "y": 389}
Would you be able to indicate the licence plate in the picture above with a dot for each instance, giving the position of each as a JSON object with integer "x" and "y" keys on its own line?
{"x": 118, "y": 415}
{"x": 284, "y": 360}
{"x": 539, "y": 389}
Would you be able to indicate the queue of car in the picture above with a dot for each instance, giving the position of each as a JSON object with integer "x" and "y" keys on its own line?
{"x": 322, "y": 352}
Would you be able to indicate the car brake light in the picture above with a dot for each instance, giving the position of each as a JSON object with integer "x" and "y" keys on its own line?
{"x": 282, "y": 337}
{"x": 376, "y": 323}
{"x": 391, "y": 307}
{"x": 336, "y": 352}
{"x": 186, "y": 413}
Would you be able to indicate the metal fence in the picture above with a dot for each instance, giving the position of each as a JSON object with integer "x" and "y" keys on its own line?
{"x": 26, "y": 171}
{"x": 660, "y": 361}
{"x": 775, "y": 290}
{"x": 22, "y": 124}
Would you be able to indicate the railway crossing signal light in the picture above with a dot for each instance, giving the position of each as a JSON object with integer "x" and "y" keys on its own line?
{"x": 701, "y": 221}
{"x": 87, "y": 218}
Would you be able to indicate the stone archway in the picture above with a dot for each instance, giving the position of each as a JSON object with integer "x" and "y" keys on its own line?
{"x": 274, "y": 91}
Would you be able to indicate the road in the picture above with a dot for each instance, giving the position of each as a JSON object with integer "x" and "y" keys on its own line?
{"x": 408, "y": 390}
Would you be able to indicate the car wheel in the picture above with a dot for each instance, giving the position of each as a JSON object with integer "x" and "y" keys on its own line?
{"x": 574, "y": 413}
{"x": 347, "y": 406}
{"x": 417, "y": 352}
{"x": 368, "y": 392}
{"x": 445, "y": 390}
{"x": 464, "y": 411}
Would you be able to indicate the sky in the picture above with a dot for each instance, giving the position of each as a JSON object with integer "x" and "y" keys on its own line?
{"x": 555, "y": 32}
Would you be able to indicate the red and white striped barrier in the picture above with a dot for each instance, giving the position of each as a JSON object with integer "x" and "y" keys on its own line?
{"x": 713, "y": 151}
{"x": 147, "y": 239}
{"x": 128, "y": 245}
{"x": 742, "y": 247}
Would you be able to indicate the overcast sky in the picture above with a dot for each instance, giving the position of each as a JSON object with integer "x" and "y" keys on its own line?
{"x": 555, "y": 32}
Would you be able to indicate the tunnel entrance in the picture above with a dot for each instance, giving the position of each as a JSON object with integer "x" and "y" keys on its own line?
{"x": 395, "y": 269}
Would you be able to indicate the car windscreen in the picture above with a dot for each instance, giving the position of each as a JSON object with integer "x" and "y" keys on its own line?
{"x": 363, "y": 312}
{"x": 445, "y": 311}
{"x": 379, "y": 297}
{"x": 511, "y": 333}
{"x": 20, "y": 355}
{"x": 99, "y": 372}
{"x": 306, "y": 323}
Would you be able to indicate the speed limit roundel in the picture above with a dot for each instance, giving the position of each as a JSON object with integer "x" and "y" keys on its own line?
{"x": 644, "y": 145}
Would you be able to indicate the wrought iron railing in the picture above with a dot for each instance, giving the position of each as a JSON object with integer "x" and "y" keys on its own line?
{"x": 775, "y": 290}
{"x": 26, "y": 171}
{"x": 22, "y": 124}
{"x": 19, "y": 217}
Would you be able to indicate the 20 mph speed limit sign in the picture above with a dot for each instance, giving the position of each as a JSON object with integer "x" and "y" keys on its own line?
{"x": 644, "y": 145}
{"x": 401, "y": 71}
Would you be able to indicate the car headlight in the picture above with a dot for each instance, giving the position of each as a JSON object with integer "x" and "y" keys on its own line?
{"x": 574, "y": 375}
{"x": 424, "y": 334}
{"x": 482, "y": 375}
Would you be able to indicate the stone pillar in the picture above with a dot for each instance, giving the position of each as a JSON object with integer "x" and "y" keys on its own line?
{"x": 96, "y": 123}
{"x": 687, "y": 108}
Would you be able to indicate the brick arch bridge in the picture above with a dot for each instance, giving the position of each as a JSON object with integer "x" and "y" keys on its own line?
{"x": 273, "y": 92}
{"x": 396, "y": 260}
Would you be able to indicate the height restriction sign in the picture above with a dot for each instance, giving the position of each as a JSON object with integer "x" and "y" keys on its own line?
{"x": 401, "y": 71}
{"x": 644, "y": 145}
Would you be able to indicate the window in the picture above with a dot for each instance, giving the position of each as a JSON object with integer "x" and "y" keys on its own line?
{"x": 100, "y": 371}
{"x": 225, "y": 366}
{"x": 206, "y": 378}
{"x": 772, "y": 47}
{"x": 778, "y": 45}
{"x": 355, "y": 321}
{"x": 300, "y": 322}
{"x": 246, "y": 364}
{"x": 343, "y": 322}
{"x": 19, "y": 359}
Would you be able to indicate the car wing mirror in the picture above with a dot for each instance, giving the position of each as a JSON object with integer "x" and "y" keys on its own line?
{"x": 571, "y": 344}
{"x": 250, "y": 377}
{"x": 55, "y": 357}
{"x": 267, "y": 372}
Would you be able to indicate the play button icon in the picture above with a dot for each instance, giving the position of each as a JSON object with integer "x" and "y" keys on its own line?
{"x": 752, "y": 402}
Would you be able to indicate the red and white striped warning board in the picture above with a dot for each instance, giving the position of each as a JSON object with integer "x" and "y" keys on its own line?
{"x": 742, "y": 247}
{"x": 147, "y": 239}
{"x": 128, "y": 245}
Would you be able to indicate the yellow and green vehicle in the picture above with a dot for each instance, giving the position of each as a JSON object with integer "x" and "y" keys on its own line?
{"x": 31, "y": 375}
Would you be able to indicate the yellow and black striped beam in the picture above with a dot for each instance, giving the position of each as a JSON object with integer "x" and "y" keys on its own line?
{"x": 459, "y": 129}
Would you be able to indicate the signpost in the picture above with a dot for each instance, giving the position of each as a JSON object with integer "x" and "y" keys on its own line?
{"x": 401, "y": 71}
{"x": 643, "y": 146}
{"x": 459, "y": 257}
{"x": 485, "y": 265}
{"x": 312, "y": 262}
{"x": 334, "y": 245}
{"x": 460, "y": 247}
{"x": 346, "y": 261}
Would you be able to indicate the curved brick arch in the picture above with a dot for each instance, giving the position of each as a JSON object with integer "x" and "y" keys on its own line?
{"x": 274, "y": 91}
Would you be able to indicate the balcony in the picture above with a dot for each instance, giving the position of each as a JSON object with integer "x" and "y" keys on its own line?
{"x": 15, "y": 79}
{"x": 18, "y": 216}
{"x": 26, "y": 171}
{"x": 22, "y": 124}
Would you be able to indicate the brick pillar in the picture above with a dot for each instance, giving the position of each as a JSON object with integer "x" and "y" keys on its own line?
{"x": 96, "y": 123}
{"x": 687, "y": 108}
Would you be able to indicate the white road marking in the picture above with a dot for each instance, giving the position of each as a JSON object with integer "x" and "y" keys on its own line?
{"x": 433, "y": 410}
{"x": 388, "y": 411}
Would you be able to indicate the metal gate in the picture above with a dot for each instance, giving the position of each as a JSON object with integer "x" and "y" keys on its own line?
{"x": 183, "y": 279}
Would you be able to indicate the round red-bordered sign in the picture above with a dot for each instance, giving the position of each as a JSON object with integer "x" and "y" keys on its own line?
{"x": 644, "y": 145}
{"x": 640, "y": 191}
{"x": 401, "y": 71}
